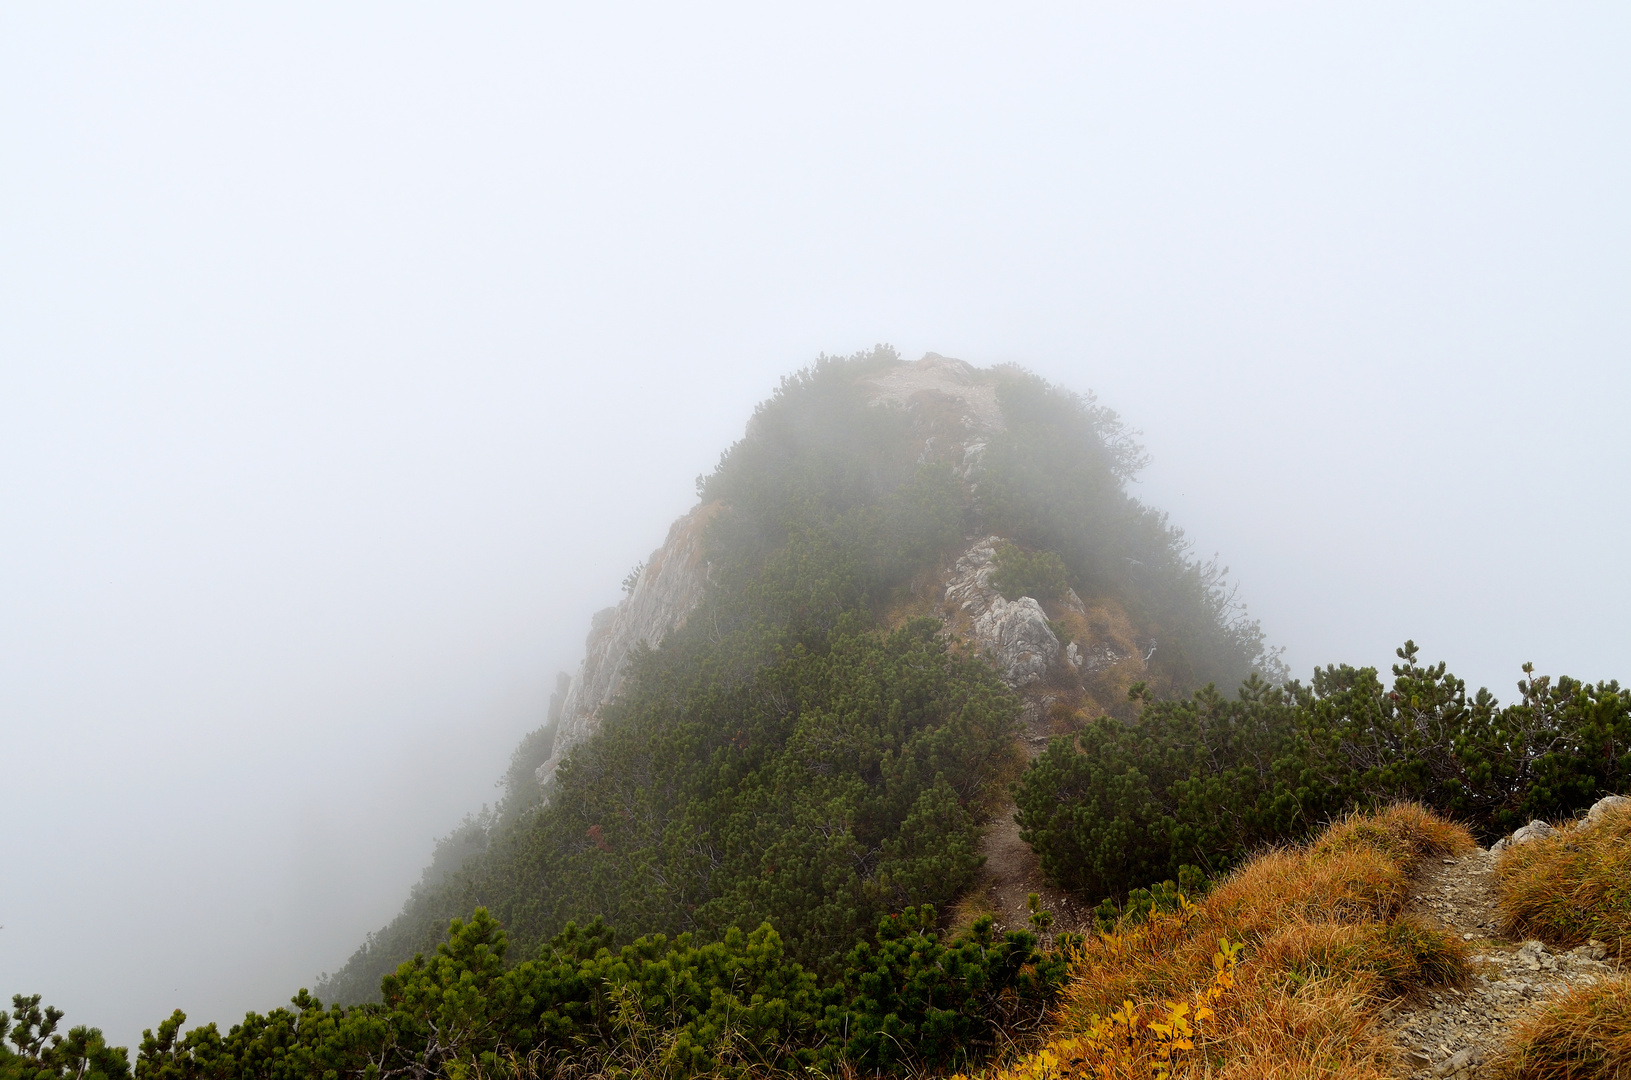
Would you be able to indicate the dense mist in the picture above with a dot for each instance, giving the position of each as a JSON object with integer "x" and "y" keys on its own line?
{"x": 349, "y": 360}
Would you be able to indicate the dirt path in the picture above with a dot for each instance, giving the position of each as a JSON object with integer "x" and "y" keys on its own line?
{"x": 1451, "y": 1032}
{"x": 1012, "y": 871}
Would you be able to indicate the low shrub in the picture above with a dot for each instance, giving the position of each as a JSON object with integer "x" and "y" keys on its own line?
{"x": 1199, "y": 784}
{"x": 656, "y": 1007}
{"x": 1041, "y": 575}
{"x": 39, "y": 1052}
{"x": 1571, "y": 886}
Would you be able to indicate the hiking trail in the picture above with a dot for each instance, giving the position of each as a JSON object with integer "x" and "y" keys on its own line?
{"x": 1452, "y": 1032}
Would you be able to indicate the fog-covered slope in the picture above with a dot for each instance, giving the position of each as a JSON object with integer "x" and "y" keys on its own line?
{"x": 893, "y": 589}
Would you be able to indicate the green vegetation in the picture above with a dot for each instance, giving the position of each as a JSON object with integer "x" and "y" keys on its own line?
{"x": 1038, "y": 574}
{"x": 844, "y": 781}
{"x": 1055, "y": 481}
{"x": 38, "y": 1053}
{"x": 657, "y": 1007}
{"x": 1201, "y": 782}
{"x": 804, "y": 751}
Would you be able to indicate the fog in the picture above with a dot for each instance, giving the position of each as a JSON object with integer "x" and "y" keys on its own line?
{"x": 350, "y": 358}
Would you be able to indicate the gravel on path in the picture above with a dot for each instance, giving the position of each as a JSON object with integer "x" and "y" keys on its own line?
{"x": 1451, "y": 1032}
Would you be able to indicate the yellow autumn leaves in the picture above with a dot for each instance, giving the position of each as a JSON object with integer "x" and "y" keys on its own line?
{"x": 1153, "y": 1041}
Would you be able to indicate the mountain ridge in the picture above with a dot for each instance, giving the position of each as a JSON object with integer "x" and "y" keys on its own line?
{"x": 983, "y": 508}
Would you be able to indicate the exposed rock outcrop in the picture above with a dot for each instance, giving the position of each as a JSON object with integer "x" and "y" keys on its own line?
{"x": 1539, "y": 830}
{"x": 1535, "y": 830}
{"x": 1014, "y": 634}
{"x": 1606, "y": 805}
{"x": 669, "y": 588}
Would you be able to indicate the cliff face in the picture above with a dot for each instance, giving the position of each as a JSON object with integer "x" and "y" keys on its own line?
{"x": 668, "y": 590}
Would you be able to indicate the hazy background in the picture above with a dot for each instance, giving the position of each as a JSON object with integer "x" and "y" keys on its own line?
{"x": 350, "y": 358}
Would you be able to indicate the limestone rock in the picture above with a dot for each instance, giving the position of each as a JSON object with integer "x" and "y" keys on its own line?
{"x": 668, "y": 589}
{"x": 1016, "y": 634}
{"x": 1591, "y": 950}
{"x": 1600, "y": 809}
{"x": 1535, "y": 830}
{"x": 1456, "y": 1063}
{"x": 1013, "y": 633}
{"x": 1533, "y": 955}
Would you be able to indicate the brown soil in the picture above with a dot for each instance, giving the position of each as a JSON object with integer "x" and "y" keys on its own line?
{"x": 1012, "y": 870}
{"x": 1450, "y": 1033}
{"x": 1011, "y": 873}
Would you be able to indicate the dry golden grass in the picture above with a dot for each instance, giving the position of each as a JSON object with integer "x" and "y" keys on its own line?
{"x": 1584, "y": 1036}
{"x": 1572, "y": 886}
{"x": 914, "y": 600}
{"x": 962, "y": 915}
{"x": 1567, "y": 889}
{"x": 1105, "y": 621}
{"x": 1321, "y": 945}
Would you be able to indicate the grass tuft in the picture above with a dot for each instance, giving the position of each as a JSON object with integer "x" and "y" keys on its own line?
{"x": 1570, "y": 887}
{"x": 1405, "y": 831}
{"x": 1585, "y": 1035}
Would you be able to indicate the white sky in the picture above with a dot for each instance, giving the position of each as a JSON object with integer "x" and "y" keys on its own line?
{"x": 350, "y": 358}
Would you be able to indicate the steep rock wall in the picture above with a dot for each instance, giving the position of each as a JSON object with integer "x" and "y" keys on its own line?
{"x": 669, "y": 589}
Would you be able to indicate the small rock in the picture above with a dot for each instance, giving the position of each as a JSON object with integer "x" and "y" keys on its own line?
{"x": 1417, "y": 1059}
{"x": 1606, "y": 805}
{"x": 1535, "y": 830}
{"x": 1453, "y": 1064}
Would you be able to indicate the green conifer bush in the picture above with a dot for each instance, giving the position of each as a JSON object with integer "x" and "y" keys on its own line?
{"x": 1200, "y": 782}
